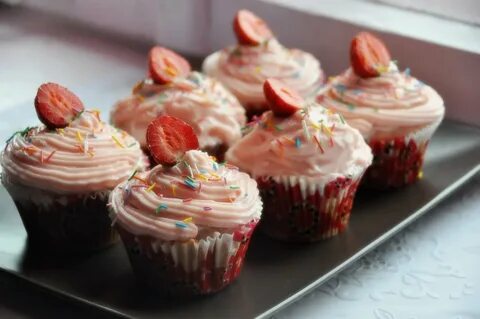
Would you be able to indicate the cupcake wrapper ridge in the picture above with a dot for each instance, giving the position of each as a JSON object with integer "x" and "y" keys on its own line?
{"x": 194, "y": 267}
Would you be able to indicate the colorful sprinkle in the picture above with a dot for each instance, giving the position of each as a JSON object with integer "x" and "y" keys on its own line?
{"x": 298, "y": 143}
{"x": 319, "y": 145}
{"x": 49, "y": 156}
{"x": 181, "y": 225}
{"x": 117, "y": 142}
{"x": 151, "y": 187}
{"x": 161, "y": 207}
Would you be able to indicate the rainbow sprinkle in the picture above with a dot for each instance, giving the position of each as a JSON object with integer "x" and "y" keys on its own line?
{"x": 161, "y": 207}
{"x": 151, "y": 187}
{"x": 180, "y": 225}
{"x": 319, "y": 145}
{"x": 117, "y": 141}
{"x": 298, "y": 143}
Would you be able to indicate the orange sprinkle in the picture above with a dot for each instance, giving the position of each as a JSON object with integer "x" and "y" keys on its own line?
{"x": 49, "y": 156}
{"x": 41, "y": 156}
{"x": 140, "y": 179}
{"x": 319, "y": 145}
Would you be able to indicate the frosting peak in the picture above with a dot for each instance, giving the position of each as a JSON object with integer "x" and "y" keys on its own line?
{"x": 313, "y": 143}
{"x": 394, "y": 102}
{"x": 86, "y": 156}
{"x": 189, "y": 200}
{"x": 214, "y": 113}
{"x": 243, "y": 69}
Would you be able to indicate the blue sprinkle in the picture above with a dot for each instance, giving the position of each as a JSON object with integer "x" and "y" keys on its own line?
{"x": 298, "y": 143}
{"x": 340, "y": 87}
{"x": 407, "y": 71}
{"x": 161, "y": 206}
{"x": 181, "y": 225}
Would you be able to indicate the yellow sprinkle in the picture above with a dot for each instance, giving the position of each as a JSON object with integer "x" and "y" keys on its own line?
{"x": 79, "y": 137}
{"x": 315, "y": 125}
{"x": 188, "y": 220}
{"x": 202, "y": 177}
{"x": 60, "y": 131}
{"x": 115, "y": 139}
{"x": 215, "y": 175}
{"x": 420, "y": 175}
{"x": 149, "y": 189}
{"x": 91, "y": 153}
{"x": 258, "y": 69}
{"x": 329, "y": 133}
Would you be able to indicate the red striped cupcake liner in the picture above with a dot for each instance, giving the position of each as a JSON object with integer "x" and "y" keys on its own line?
{"x": 293, "y": 215}
{"x": 396, "y": 163}
{"x": 195, "y": 267}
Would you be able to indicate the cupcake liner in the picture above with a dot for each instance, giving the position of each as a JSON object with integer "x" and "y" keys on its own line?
{"x": 63, "y": 223}
{"x": 296, "y": 210}
{"x": 397, "y": 161}
{"x": 194, "y": 267}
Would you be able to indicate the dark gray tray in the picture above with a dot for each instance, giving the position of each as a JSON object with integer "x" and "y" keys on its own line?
{"x": 274, "y": 273}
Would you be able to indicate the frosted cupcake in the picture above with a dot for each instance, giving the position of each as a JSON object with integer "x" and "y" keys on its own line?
{"x": 396, "y": 113}
{"x": 307, "y": 162}
{"x": 186, "y": 224}
{"x": 243, "y": 67}
{"x": 173, "y": 89}
{"x": 60, "y": 175}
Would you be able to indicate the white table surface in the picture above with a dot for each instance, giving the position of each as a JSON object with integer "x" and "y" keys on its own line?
{"x": 430, "y": 270}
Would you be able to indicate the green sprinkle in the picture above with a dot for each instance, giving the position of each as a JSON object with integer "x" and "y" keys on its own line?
{"x": 234, "y": 187}
{"x": 22, "y": 133}
{"x": 133, "y": 144}
{"x": 133, "y": 174}
{"x": 278, "y": 128}
{"x": 342, "y": 118}
{"x": 351, "y": 107}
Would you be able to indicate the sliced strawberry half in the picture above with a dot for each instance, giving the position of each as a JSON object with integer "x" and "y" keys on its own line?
{"x": 368, "y": 55}
{"x": 168, "y": 138}
{"x": 56, "y": 106}
{"x": 164, "y": 65}
{"x": 250, "y": 29}
{"x": 282, "y": 100}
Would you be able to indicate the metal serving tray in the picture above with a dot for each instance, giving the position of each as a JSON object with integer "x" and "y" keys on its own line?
{"x": 274, "y": 273}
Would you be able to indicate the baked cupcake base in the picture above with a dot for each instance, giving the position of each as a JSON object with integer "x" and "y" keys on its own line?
{"x": 64, "y": 223}
{"x": 298, "y": 212}
{"x": 397, "y": 161}
{"x": 195, "y": 267}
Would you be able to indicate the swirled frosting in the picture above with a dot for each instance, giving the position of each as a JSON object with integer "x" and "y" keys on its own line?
{"x": 86, "y": 156}
{"x": 188, "y": 201}
{"x": 313, "y": 143}
{"x": 214, "y": 113}
{"x": 392, "y": 103}
{"x": 243, "y": 70}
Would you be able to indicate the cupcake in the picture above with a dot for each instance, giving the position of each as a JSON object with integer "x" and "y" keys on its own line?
{"x": 173, "y": 89}
{"x": 60, "y": 174}
{"x": 307, "y": 162}
{"x": 186, "y": 224}
{"x": 243, "y": 68}
{"x": 396, "y": 113}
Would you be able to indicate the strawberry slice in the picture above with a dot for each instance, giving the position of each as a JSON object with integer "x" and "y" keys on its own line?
{"x": 168, "y": 138}
{"x": 56, "y": 106}
{"x": 164, "y": 65}
{"x": 250, "y": 29}
{"x": 282, "y": 100}
{"x": 368, "y": 55}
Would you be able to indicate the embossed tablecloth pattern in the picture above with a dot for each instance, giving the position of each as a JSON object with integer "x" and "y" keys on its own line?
{"x": 428, "y": 271}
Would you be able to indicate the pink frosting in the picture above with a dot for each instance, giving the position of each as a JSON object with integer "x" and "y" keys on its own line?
{"x": 188, "y": 201}
{"x": 313, "y": 143}
{"x": 243, "y": 70}
{"x": 390, "y": 104}
{"x": 87, "y": 156}
{"x": 213, "y": 112}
